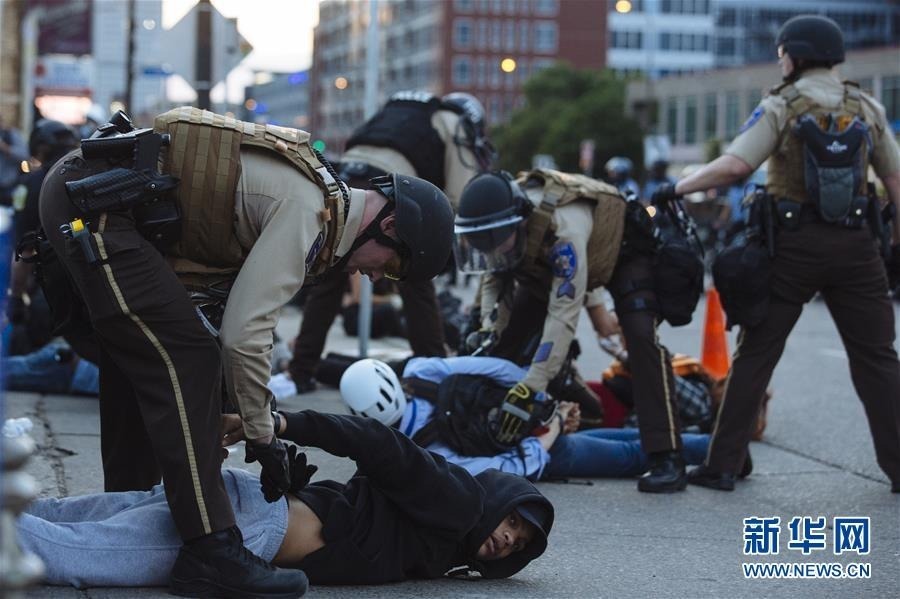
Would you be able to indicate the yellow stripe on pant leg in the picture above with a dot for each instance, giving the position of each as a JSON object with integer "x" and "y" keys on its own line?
{"x": 666, "y": 391}
{"x": 173, "y": 376}
{"x": 712, "y": 436}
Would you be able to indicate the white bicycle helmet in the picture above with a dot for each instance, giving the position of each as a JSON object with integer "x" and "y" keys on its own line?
{"x": 371, "y": 388}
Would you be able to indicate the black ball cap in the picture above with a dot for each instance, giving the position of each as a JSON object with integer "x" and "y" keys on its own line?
{"x": 812, "y": 37}
{"x": 424, "y": 225}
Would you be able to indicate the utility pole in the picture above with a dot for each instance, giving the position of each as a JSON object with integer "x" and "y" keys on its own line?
{"x": 364, "y": 329}
{"x": 129, "y": 61}
{"x": 203, "y": 58}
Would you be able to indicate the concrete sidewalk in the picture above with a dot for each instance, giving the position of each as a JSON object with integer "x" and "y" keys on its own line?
{"x": 609, "y": 540}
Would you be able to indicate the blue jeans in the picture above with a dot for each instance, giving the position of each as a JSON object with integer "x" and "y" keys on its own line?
{"x": 42, "y": 372}
{"x": 611, "y": 452}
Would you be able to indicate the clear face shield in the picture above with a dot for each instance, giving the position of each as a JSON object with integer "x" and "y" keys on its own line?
{"x": 494, "y": 247}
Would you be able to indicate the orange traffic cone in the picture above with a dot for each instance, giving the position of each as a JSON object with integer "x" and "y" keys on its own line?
{"x": 715, "y": 356}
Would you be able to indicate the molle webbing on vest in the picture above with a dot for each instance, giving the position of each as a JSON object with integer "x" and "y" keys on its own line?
{"x": 608, "y": 223}
{"x": 785, "y": 177}
{"x": 205, "y": 154}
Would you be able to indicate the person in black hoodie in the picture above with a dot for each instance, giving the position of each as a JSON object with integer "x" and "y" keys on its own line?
{"x": 405, "y": 514}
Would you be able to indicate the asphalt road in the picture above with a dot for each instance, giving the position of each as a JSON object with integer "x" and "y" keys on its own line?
{"x": 609, "y": 540}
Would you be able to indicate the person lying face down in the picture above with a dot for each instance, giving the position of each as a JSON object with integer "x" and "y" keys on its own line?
{"x": 405, "y": 514}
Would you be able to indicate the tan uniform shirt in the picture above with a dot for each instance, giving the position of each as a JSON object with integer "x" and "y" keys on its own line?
{"x": 459, "y": 162}
{"x": 278, "y": 228}
{"x": 573, "y": 222}
{"x": 760, "y": 135}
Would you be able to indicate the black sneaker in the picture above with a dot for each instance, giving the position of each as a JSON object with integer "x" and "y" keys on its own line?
{"x": 218, "y": 565}
{"x": 666, "y": 474}
{"x": 703, "y": 476}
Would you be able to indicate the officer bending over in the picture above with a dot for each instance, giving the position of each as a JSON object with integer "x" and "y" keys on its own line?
{"x": 441, "y": 140}
{"x": 821, "y": 134}
{"x": 260, "y": 215}
{"x": 541, "y": 250}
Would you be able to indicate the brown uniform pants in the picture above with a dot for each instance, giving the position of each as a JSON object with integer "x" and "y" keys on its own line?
{"x": 843, "y": 265}
{"x": 650, "y": 363}
{"x": 323, "y": 301}
{"x": 160, "y": 370}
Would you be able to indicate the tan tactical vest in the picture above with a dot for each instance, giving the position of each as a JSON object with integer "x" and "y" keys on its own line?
{"x": 205, "y": 154}
{"x": 785, "y": 175}
{"x": 606, "y": 235}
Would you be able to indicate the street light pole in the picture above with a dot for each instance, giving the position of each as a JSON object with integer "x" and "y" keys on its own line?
{"x": 129, "y": 62}
{"x": 203, "y": 58}
{"x": 370, "y": 105}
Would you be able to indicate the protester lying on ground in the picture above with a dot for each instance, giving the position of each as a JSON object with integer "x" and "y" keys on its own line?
{"x": 449, "y": 405}
{"x": 407, "y": 513}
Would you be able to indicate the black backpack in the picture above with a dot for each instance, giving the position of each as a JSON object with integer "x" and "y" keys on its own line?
{"x": 678, "y": 271}
{"x": 465, "y": 409}
{"x": 742, "y": 274}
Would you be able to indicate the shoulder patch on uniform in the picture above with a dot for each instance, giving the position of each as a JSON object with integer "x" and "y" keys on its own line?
{"x": 543, "y": 352}
{"x": 314, "y": 250}
{"x": 564, "y": 262}
{"x": 753, "y": 118}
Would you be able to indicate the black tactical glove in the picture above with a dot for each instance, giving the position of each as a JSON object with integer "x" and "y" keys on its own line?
{"x": 481, "y": 339}
{"x": 275, "y": 478}
{"x": 515, "y": 413}
{"x": 300, "y": 473}
{"x": 664, "y": 193}
{"x": 893, "y": 267}
{"x": 16, "y": 311}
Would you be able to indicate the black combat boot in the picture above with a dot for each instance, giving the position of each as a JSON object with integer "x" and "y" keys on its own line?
{"x": 666, "y": 474}
{"x": 218, "y": 565}
{"x": 704, "y": 476}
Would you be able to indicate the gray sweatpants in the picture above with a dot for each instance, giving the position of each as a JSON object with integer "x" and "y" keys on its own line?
{"x": 130, "y": 539}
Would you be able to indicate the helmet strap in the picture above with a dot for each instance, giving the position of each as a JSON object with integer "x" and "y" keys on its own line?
{"x": 373, "y": 231}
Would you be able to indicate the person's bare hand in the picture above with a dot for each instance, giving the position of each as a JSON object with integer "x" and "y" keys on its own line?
{"x": 571, "y": 416}
{"x": 232, "y": 429}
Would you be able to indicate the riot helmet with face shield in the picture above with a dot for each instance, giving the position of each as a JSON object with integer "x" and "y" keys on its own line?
{"x": 471, "y": 131}
{"x": 489, "y": 225}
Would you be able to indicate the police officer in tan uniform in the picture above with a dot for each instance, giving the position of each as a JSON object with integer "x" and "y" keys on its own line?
{"x": 442, "y": 140}
{"x": 544, "y": 241}
{"x": 260, "y": 211}
{"x": 809, "y": 120}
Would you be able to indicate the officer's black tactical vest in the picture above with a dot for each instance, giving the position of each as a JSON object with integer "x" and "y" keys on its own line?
{"x": 404, "y": 125}
{"x": 465, "y": 406}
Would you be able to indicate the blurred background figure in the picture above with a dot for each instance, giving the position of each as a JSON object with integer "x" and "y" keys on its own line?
{"x": 619, "y": 173}
{"x": 13, "y": 151}
{"x": 657, "y": 175}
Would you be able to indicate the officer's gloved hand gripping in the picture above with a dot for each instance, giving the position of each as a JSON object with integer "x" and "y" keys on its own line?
{"x": 275, "y": 478}
{"x": 664, "y": 193}
{"x": 516, "y": 413}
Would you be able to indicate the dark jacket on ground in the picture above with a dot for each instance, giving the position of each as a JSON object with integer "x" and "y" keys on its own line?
{"x": 406, "y": 513}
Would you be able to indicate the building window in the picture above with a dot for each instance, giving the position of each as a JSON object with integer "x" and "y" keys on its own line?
{"x": 628, "y": 39}
{"x": 496, "y": 34}
{"x": 545, "y": 37}
{"x": 890, "y": 97}
{"x": 463, "y": 5}
{"x": 523, "y": 35}
{"x": 481, "y": 72}
{"x": 732, "y": 114}
{"x": 509, "y": 35}
{"x": 672, "y": 120}
{"x": 547, "y": 8}
{"x": 462, "y": 33}
{"x": 482, "y": 34}
{"x": 725, "y": 46}
{"x": 511, "y": 6}
{"x": 753, "y": 99}
{"x": 690, "y": 120}
{"x": 710, "y": 116}
{"x": 462, "y": 70}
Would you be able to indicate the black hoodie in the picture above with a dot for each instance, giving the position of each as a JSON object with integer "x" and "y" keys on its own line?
{"x": 406, "y": 513}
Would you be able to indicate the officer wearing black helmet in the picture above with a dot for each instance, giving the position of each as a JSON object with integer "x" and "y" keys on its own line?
{"x": 544, "y": 240}
{"x": 822, "y": 134}
{"x": 442, "y": 140}
{"x": 260, "y": 215}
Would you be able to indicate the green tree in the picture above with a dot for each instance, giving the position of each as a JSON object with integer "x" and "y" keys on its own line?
{"x": 564, "y": 106}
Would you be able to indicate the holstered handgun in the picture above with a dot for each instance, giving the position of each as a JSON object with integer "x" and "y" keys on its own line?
{"x": 880, "y": 220}
{"x": 762, "y": 219}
